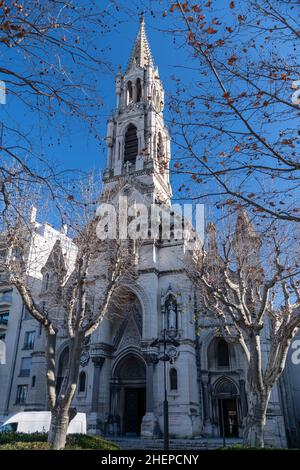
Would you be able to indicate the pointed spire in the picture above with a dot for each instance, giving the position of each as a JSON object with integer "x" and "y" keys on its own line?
{"x": 244, "y": 228}
{"x": 141, "y": 53}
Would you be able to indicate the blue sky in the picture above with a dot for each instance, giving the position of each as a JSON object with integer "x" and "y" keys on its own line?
{"x": 121, "y": 42}
{"x": 68, "y": 143}
{"x": 78, "y": 148}
{"x": 73, "y": 146}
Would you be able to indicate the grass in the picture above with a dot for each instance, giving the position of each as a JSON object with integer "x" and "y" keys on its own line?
{"x": 36, "y": 441}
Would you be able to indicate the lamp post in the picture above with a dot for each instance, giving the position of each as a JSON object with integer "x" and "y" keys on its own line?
{"x": 222, "y": 420}
{"x": 168, "y": 356}
{"x": 165, "y": 358}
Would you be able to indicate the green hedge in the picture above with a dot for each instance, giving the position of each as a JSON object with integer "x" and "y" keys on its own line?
{"x": 37, "y": 441}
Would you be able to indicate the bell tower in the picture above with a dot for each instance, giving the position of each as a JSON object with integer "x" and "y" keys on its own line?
{"x": 137, "y": 138}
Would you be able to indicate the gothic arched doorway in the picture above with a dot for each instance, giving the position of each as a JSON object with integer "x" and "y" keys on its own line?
{"x": 227, "y": 395}
{"x": 128, "y": 394}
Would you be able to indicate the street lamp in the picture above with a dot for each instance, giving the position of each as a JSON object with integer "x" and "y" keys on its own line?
{"x": 168, "y": 337}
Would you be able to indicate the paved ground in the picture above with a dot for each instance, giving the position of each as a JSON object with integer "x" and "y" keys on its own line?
{"x": 128, "y": 443}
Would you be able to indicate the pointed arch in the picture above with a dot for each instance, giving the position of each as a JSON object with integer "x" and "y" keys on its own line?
{"x": 225, "y": 387}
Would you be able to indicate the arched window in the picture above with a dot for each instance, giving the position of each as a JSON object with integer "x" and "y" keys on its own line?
{"x": 82, "y": 382}
{"x": 160, "y": 148}
{"x": 222, "y": 353}
{"x": 138, "y": 90}
{"x": 129, "y": 93}
{"x": 131, "y": 144}
{"x": 173, "y": 379}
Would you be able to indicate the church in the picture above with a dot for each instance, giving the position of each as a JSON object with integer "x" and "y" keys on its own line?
{"x": 121, "y": 382}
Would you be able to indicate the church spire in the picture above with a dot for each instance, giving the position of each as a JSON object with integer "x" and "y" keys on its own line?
{"x": 141, "y": 53}
{"x": 138, "y": 140}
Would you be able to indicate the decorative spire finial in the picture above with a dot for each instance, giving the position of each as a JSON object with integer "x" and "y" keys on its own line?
{"x": 141, "y": 54}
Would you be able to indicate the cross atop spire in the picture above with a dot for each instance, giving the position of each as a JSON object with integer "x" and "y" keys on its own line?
{"x": 141, "y": 53}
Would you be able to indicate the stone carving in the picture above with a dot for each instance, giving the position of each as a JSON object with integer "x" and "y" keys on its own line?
{"x": 84, "y": 358}
{"x": 171, "y": 309}
{"x": 131, "y": 335}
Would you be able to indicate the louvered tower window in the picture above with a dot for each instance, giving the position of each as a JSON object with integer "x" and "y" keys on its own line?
{"x": 138, "y": 90}
{"x": 131, "y": 144}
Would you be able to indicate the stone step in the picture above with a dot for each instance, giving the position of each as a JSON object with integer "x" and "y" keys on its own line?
{"x": 175, "y": 444}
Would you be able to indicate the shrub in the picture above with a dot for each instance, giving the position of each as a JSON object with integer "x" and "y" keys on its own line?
{"x": 13, "y": 437}
{"x": 38, "y": 441}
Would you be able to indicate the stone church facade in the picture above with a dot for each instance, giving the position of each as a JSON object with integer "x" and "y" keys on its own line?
{"x": 121, "y": 379}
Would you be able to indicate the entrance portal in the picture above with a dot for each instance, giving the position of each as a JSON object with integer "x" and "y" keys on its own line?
{"x": 134, "y": 410}
{"x": 228, "y": 410}
{"x": 227, "y": 400}
{"x": 128, "y": 394}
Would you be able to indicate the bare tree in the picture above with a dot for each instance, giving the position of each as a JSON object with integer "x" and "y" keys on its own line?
{"x": 82, "y": 278}
{"x": 51, "y": 59}
{"x": 235, "y": 112}
{"x": 257, "y": 300}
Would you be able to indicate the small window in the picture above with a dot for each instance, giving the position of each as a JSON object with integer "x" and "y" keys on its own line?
{"x": 25, "y": 367}
{"x": 33, "y": 381}
{"x": 222, "y": 353}
{"x": 173, "y": 379}
{"x": 29, "y": 340}
{"x": 21, "y": 394}
{"x": 82, "y": 382}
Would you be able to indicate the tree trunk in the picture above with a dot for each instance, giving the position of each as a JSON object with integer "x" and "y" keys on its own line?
{"x": 256, "y": 418}
{"x": 63, "y": 412}
{"x": 58, "y": 428}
